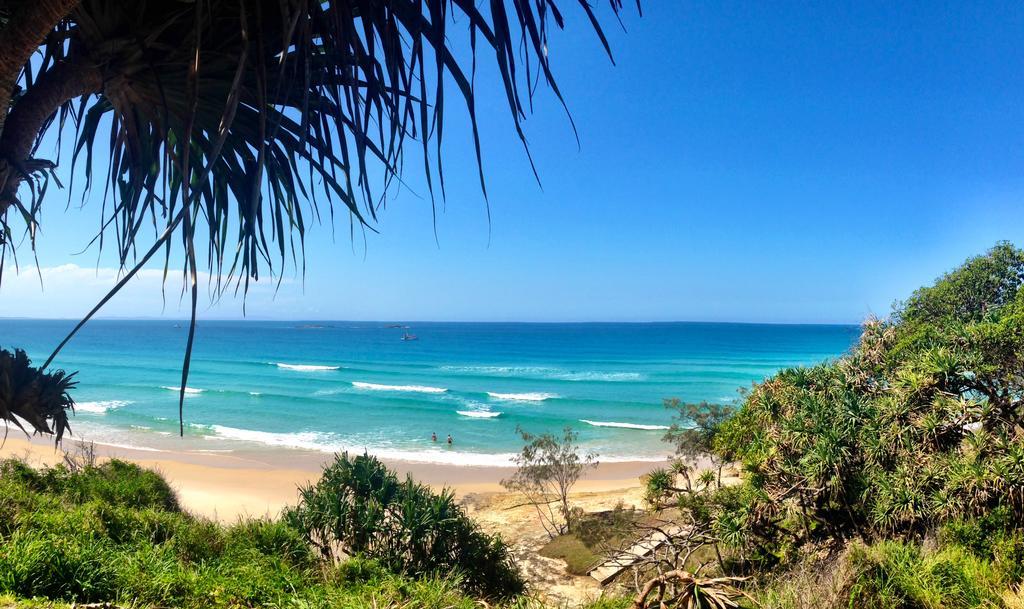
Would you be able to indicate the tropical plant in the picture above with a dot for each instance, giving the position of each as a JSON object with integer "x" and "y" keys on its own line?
{"x": 548, "y": 467}
{"x": 921, "y": 424}
{"x": 112, "y": 535}
{"x": 359, "y": 507}
{"x": 227, "y": 127}
{"x": 679, "y": 589}
{"x": 692, "y": 433}
{"x": 28, "y": 394}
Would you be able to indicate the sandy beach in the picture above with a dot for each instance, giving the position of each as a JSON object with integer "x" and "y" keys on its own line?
{"x": 226, "y": 486}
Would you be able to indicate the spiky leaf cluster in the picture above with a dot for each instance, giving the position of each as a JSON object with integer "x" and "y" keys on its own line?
{"x": 922, "y": 422}
{"x": 360, "y": 507}
{"x": 32, "y": 396}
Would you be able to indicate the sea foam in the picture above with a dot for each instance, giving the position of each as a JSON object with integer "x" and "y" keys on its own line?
{"x": 188, "y": 390}
{"x": 408, "y": 388}
{"x": 541, "y": 372}
{"x": 100, "y": 407}
{"x": 329, "y": 443}
{"x": 306, "y": 367}
{"x": 478, "y": 414}
{"x": 310, "y": 440}
{"x": 610, "y": 377}
{"x": 624, "y": 425}
{"x": 522, "y": 397}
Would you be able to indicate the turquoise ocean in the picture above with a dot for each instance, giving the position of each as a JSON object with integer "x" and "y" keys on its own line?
{"x": 333, "y": 386}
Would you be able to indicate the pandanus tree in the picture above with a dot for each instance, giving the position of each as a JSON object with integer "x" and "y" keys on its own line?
{"x": 224, "y": 128}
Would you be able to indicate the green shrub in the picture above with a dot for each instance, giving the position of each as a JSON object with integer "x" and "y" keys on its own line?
{"x": 57, "y": 567}
{"x": 71, "y": 536}
{"x": 897, "y": 575}
{"x": 361, "y": 507}
{"x": 995, "y": 537}
{"x": 918, "y": 426}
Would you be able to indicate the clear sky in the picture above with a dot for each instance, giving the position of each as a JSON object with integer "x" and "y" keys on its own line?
{"x": 775, "y": 162}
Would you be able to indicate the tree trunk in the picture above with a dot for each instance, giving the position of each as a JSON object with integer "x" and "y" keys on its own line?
{"x": 26, "y": 30}
{"x": 20, "y": 125}
{"x": 64, "y": 81}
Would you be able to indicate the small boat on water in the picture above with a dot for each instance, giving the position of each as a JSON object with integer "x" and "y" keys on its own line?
{"x": 408, "y": 336}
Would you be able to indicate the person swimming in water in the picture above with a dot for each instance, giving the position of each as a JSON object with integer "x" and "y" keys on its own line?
{"x": 449, "y": 439}
{"x": 433, "y": 437}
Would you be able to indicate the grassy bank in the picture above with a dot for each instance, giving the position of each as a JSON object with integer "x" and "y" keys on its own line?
{"x": 115, "y": 533}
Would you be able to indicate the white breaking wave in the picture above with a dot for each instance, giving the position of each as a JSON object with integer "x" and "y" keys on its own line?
{"x": 329, "y": 443}
{"x": 306, "y": 367}
{"x": 601, "y": 376}
{"x": 410, "y": 388}
{"x": 624, "y": 425}
{"x": 502, "y": 370}
{"x": 522, "y": 397}
{"x": 545, "y": 373}
{"x": 309, "y": 440}
{"x": 100, "y": 407}
{"x": 255, "y": 393}
{"x": 478, "y": 414}
{"x": 188, "y": 390}
{"x": 127, "y": 446}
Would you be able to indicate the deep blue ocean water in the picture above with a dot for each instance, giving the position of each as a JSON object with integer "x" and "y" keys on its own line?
{"x": 332, "y": 386}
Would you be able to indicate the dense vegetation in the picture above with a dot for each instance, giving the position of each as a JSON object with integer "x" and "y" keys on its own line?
{"x": 359, "y": 507}
{"x": 913, "y": 443}
{"x": 115, "y": 532}
{"x": 920, "y": 425}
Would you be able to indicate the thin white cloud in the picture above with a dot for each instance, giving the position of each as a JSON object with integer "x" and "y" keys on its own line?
{"x": 70, "y": 290}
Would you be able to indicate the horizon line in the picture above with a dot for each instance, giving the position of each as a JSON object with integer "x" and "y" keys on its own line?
{"x": 436, "y": 321}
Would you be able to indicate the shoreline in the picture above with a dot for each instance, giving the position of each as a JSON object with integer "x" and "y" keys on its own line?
{"x": 227, "y": 486}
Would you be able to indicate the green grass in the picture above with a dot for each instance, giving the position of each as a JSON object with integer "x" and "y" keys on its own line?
{"x": 579, "y": 559}
{"x": 901, "y": 575}
{"x": 116, "y": 533}
{"x": 593, "y": 536}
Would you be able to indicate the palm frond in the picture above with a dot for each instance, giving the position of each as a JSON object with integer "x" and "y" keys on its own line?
{"x": 239, "y": 122}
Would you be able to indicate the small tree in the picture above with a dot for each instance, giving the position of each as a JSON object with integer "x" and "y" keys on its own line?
{"x": 548, "y": 468}
{"x": 693, "y": 432}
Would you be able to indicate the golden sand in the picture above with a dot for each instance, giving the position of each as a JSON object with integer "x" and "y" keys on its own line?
{"x": 226, "y": 486}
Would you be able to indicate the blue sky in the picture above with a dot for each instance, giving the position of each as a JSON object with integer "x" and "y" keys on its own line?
{"x": 799, "y": 162}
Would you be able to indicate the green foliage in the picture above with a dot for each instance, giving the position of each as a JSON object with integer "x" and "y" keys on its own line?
{"x": 361, "y": 507}
{"x": 921, "y": 424}
{"x": 28, "y": 394}
{"x": 67, "y": 538}
{"x": 695, "y": 427}
{"x": 892, "y": 575}
{"x": 114, "y": 533}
